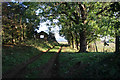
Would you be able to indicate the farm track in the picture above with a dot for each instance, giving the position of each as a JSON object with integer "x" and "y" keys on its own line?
{"x": 51, "y": 68}
{"x": 16, "y": 71}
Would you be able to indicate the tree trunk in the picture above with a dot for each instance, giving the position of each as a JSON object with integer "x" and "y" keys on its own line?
{"x": 72, "y": 43}
{"x": 21, "y": 36}
{"x": 83, "y": 43}
{"x": 68, "y": 42}
{"x": 12, "y": 38}
{"x": 117, "y": 44}
{"x": 77, "y": 44}
{"x": 96, "y": 46}
{"x": 76, "y": 41}
{"x": 72, "y": 40}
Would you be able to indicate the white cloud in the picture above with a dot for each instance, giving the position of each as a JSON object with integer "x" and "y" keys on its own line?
{"x": 59, "y": 38}
{"x": 43, "y": 27}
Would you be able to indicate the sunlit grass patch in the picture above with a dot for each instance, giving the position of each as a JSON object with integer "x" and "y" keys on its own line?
{"x": 63, "y": 42}
{"x": 68, "y": 49}
{"x": 41, "y": 44}
{"x": 101, "y": 47}
{"x": 55, "y": 49}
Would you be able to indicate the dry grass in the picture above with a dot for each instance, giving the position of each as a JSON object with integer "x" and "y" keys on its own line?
{"x": 102, "y": 48}
{"x": 68, "y": 49}
{"x": 63, "y": 42}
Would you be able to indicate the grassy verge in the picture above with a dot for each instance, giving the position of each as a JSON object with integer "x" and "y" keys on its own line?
{"x": 100, "y": 64}
{"x": 16, "y": 54}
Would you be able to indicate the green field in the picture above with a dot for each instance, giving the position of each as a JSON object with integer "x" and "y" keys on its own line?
{"x": 71, "y": 63}
{"x": 16, "y": 54}
{"x": 101, "y": 65}
{"x": 33, "y": 70}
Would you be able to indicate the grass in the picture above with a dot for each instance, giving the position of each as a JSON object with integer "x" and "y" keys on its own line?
{"x": 63, "y": 42}
{"x": 35, "y": 73}
{"x": 100, "y": 46}
{"x": 68, "y": 49}
{"x": 34, "y": 67}
{"x": 106, "y": 68}
{"x": 41, "y": 44}
{"x": 16, "y": 54}
{"x": 55, "y": 49}
{"x": 102, "y": 65}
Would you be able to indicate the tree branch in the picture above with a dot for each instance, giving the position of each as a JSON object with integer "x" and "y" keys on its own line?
{"x": 102, "y": 10}
{"x": 63, "y": 12}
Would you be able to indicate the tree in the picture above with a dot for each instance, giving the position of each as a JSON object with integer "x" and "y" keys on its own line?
{"x": 78, "y": 13}
{"x": 19, "y": 21}
{"x": 113, "y": 17}
{"x": 80, "y": 22}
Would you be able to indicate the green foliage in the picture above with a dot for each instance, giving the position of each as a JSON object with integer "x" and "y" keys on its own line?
{"x": 112, "y": 40}
{"x": 91, "y": 19}
{"x": 19, "y": 21}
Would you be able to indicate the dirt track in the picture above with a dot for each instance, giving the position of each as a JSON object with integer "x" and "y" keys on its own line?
{"x": 19, "y": 69}
{"x": 51, "y": 67}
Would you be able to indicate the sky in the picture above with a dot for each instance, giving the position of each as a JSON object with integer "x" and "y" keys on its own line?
{"x": 44, "y": 27}
{"x": 56, "y": 29}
